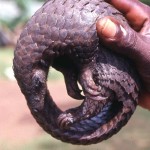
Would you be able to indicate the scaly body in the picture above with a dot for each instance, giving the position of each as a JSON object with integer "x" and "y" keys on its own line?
{"x": 62, "y": 34}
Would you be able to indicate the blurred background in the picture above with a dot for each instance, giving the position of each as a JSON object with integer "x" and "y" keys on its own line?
{"x": 18, "y": 130}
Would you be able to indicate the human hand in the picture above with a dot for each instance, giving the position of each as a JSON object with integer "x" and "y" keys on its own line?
{"x": 130, "y": 41}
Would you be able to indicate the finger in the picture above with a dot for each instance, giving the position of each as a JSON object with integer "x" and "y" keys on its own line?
{"x": 144, "y": 100}
{"x": 135, "y": 11}
{"x": 122, "y": 39}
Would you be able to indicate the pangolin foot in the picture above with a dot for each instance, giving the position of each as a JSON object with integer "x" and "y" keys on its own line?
{"x": 65, "y": 119}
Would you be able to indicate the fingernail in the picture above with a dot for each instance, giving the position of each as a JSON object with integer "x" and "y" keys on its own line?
{"x": 107, "y": 28}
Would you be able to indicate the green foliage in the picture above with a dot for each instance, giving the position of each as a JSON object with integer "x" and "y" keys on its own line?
{"x": 25, "y": 8}
{"x": 6, "y": 56}
{"x": 146, "y": 1}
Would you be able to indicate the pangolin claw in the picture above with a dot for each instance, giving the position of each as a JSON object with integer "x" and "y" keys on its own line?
{"x": 87, "y": 82}
{"x": 64, "y": 120}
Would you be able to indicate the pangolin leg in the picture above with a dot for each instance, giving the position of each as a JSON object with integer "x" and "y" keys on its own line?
{"x": 92, "y": 105}
{"x": 71, "y": 84}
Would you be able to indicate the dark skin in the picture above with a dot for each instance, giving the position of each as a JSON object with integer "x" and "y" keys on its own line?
{"x": 133, "y": 41}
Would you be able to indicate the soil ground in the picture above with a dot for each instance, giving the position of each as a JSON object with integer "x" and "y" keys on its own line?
{"x": 17, "y": 124}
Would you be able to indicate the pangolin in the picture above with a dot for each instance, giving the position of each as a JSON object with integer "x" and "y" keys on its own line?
{"x": 62, "y": 34}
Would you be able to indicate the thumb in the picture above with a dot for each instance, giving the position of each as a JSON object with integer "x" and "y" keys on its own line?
{"x": 120, "y": 38}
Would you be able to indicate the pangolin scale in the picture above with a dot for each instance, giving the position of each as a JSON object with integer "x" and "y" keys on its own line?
{"x": 62, "y": 34}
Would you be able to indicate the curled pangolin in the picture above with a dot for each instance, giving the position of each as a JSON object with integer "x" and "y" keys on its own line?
{"x": 62, "y": 34}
